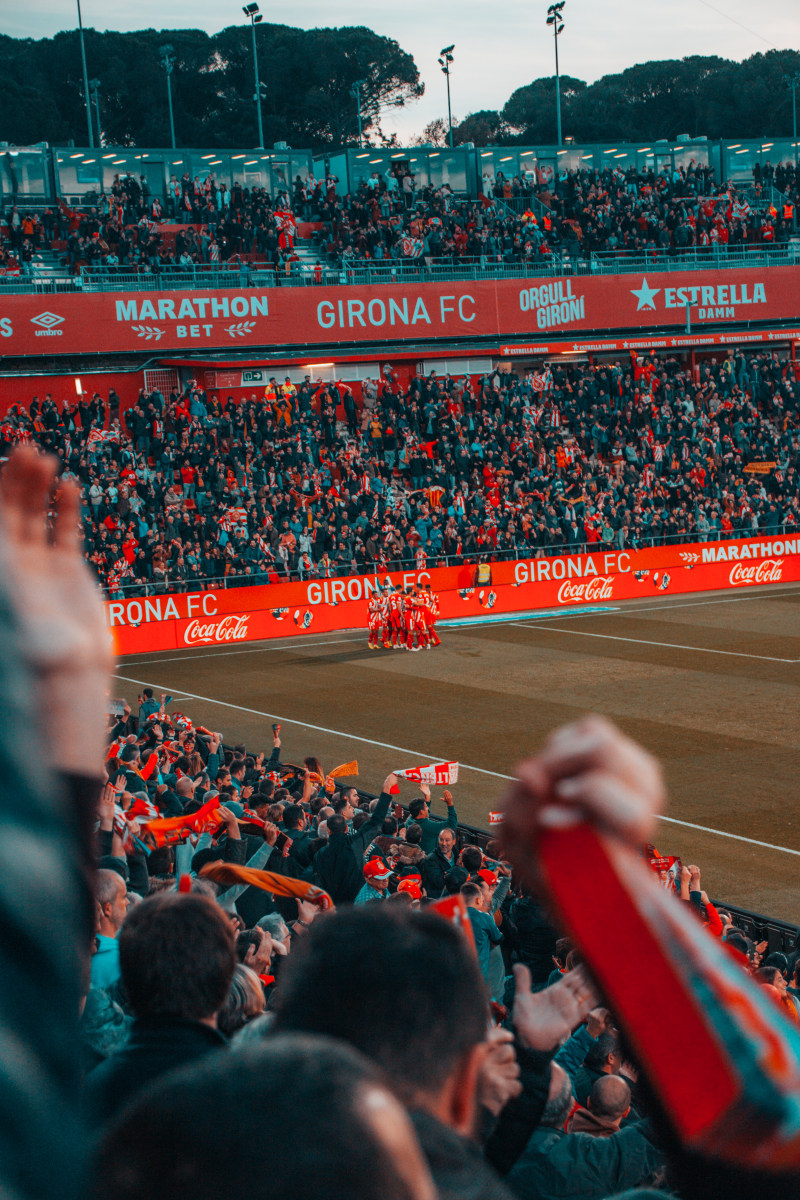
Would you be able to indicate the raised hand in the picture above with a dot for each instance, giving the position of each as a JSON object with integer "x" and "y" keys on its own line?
{"x": 57, "y": 604}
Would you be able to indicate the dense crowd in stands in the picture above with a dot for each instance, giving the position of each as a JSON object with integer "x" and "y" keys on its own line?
{"x": 305, "y": 482}
{"x": 627, "y": 212}
{"x": 388, "y": 219}
{"x": 226, "y": 975}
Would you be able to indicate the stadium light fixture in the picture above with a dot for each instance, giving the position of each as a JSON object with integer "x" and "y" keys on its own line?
{"x": 556, "y": 19}
{"x": 168, "y": 61}
{"x": 255, "y": 17}
{"x": 445, "y": 59}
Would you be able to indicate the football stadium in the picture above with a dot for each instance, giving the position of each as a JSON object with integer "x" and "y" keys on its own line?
{"x": 400, "y": 528}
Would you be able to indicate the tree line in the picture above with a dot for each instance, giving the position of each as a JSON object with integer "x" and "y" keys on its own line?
{"x": 698, "y": 95}
{"x": 310, "y": 78}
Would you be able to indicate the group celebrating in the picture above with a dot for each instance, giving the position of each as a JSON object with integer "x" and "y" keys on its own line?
{"x": 403, "y": 620}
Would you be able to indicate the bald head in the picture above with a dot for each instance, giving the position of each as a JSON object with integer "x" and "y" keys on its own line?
{"x": 610, "y": 1097}
{"x": 184, "y": 787}
{"x": 106, "y": 886}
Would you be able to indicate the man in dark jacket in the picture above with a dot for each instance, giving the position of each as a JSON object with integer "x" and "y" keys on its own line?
{"x": 422, "y": 1014}
{"x": 558, "y": 1166}
{"x": 177, "y": 960}
{"x": 436, "y": 865}
{"x": 536, "y": 942}
{"x": 295, "y": 826}
{"x": 419, "y": 814}
{"x": 338, "y": 866}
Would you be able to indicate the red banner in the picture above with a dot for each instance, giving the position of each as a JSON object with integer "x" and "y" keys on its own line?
{"x": 193, "y": 619}
{"x": 109, "y": 322}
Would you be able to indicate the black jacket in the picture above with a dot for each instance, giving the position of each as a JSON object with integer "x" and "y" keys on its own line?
{"x": 536, "y": 939}
{"x": 154, "y": 1047}
{"x": 457, "y": 1165}
{"x": 433, "y": 869}
{"x": 338, "y": 866}
{"x": 578, "y": 1166}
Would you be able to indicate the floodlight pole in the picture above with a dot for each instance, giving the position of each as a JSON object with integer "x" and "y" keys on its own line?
{"x": 555, "y": 19}
{"x": 95, "y": 86}
{"x": 252, "y": 16}
{"x": 85, "y": 78}
{"x": 168, "y": 62}
{"x": 445, "y": 59}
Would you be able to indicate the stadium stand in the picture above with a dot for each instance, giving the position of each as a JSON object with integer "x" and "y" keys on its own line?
{"x": 519, "y": 222}
{"x": 306, "y": 482}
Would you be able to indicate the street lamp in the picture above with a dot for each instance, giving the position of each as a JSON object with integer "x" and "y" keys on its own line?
{"x": 168, "y": 61}
{"x": 251, "y": 11}
{"x": 355, "y": 92}
{"x": 94, "y": 85}
{"x": 445, "y": 58}
{"x": 554, "y": 18}
{"x": 85, "y": 78}
{"x": 791, "y": 82}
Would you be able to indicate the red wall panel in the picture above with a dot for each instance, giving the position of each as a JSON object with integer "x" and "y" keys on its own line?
{"x": 321, "y": 606}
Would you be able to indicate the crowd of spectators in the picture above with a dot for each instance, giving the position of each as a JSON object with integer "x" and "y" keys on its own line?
{"x": 530, "y": 217}
{"x": 306, "y": 482}
{"x": 224, "y": 974}
{"x": 388, "y": 219}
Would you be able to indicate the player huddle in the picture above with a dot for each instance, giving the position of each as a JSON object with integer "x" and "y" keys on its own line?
{"x": 404, "y": 620}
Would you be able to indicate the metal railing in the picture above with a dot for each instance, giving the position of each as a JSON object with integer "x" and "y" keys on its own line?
{"x": 261, "y": 577}
{"x": 427, "y": 270}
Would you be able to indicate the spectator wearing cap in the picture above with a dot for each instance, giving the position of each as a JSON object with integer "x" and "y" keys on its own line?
{"x": 413, "y": 888}
{"x": 111, "y": 899}
{"x": 376, "y": 882}
{"x": 419, "y": 814}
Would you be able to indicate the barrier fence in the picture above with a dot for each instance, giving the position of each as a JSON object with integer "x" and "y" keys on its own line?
{"x": 408, "y": 563}
{"x": 468, "y": 594}
{"x": 424, "y": 270}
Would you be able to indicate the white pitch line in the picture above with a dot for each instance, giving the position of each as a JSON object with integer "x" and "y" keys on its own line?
{"x": 610, "y": 637}
{"x": 306, "y": 725}
{"x": 737, "y": 837}
{"x": 433, "y": 758}
{"x": 763, "y": 594}
{"x": 276, "y": 645}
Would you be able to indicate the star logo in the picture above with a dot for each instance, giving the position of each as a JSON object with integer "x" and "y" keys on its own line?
{"x": 645, "y": 295}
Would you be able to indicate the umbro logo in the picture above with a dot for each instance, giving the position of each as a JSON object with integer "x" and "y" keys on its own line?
{"x": 47, "y": 323}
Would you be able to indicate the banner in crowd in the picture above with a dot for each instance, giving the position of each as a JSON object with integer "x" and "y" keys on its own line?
{"x": 442, "y": 774}
{"x": 200, "y": 318}
{"x": 222, "y": 616}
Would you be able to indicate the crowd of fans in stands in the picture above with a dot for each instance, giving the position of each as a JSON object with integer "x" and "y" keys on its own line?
{"x": 381, "y": 969}
{"x": 257, "y": 996}
{"x": 387, "y": 219}
{"x": 306, "y": 482}
{"x": 529, "y": 217}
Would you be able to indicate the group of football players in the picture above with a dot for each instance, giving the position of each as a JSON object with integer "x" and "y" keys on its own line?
{"x": 403, "y": 620}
